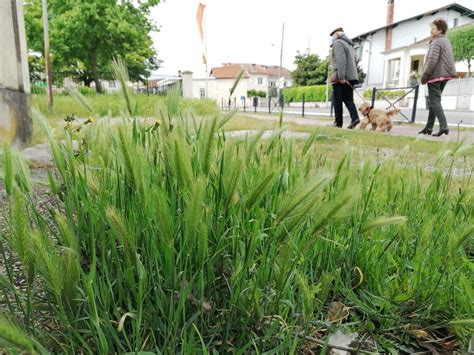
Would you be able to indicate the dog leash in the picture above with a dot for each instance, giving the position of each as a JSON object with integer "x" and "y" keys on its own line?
{"x": 365, "y": 101}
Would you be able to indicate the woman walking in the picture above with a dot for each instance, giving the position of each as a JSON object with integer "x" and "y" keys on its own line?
{"x": 438, "y": 69}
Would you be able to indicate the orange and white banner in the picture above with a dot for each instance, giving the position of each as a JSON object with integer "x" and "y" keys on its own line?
{"x": 199, "y": 17}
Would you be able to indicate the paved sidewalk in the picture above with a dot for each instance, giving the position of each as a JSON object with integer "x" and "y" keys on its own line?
{"x": 399, "y": 129}
{"x": 453, "y": 117}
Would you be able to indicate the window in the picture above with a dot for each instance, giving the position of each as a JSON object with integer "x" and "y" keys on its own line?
{"x": 260, "y": 81}
{"x": 202, "y": 93}
{"x": 273, "y": 83}
{"x": 455, "y": 22}
{"x": 112, "y": 84}
{"x": 415, "y": 65}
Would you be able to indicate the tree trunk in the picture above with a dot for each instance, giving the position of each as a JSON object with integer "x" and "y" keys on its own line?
{"x": 95, "y": 73}
{"x": 468, "y": 68}
{"x": 87, "y": 81}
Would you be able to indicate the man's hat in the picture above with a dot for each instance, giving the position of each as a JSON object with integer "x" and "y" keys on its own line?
{"x": 339, "y": 29}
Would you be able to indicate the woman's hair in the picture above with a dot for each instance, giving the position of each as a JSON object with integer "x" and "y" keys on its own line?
{"x": 441, "y": 25}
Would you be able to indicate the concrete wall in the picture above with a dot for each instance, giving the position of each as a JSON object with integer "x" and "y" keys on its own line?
{"x": 15, "y": 122}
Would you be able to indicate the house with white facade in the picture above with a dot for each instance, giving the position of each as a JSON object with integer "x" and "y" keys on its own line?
{"x": 391, "y": 54}
{"x": 255, "y": 77}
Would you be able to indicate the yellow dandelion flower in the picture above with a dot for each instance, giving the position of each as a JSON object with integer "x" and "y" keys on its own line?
{"x": 90, "y": 120}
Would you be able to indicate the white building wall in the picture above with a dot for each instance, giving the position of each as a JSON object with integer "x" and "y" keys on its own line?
{"x": 253, "y": 82}
{"x": 464, "y": 20}
{"x": 412, "y": 31}
{"x": 219, "y": 89}
{"x": 404, "y": 34}
{"x": 374, "y": 54}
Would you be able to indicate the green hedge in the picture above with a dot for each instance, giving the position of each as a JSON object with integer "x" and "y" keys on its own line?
{"x": 316, "y": 93}
{"x": 389, "y": 94}
{"x": 255, "y": 93}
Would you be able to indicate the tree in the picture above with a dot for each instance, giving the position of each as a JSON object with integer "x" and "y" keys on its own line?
{"x": 86, "y": 35}
{"x": 310, "y": 70}
{"x": 463, "y": 44}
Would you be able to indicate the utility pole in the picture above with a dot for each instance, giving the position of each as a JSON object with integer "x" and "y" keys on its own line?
{"x": 279, "y": 74}
{"x": 47, "y": 57}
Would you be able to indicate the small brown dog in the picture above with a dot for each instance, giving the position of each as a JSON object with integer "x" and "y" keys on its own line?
{"x": 379, "y": 119}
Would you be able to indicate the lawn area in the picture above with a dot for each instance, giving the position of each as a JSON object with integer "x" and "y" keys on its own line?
{"x": 172, "y": 236}
{"x": 149, "y": 106}
{"x": 333, "y": 142}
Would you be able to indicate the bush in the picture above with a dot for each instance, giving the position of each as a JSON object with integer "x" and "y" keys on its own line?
{"x": 255, "y": 93}
{"x": 252, "y": 93}
{"x": 38, "y": 88}
{"x": 316, "y": 93}
{"x": 389, "y": 94}
{"x": 86, "y": 91}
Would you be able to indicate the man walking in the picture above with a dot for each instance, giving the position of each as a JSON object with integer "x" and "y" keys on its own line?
{"x": 343, "y": 76}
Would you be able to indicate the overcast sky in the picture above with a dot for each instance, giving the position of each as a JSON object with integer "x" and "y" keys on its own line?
{"x": 249, "y": 31}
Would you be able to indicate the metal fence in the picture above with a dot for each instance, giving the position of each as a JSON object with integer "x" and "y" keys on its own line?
{"x": 152, "y": 85}
{"x": 252, "y": 104}
{"x": 392, "y": 102}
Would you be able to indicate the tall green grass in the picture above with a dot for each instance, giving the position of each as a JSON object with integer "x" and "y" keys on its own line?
{"x": 173, "y": 238}
{"x": 65, "y": 105}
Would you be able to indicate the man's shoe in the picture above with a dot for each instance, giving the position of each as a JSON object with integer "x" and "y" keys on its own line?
{"x": 353, "y": 124}
{"x": 441, "y": 132}
{"x": 334, "y": 124}
{"x": 426, "y": 131}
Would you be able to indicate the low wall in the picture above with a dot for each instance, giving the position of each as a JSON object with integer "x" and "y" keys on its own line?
{"x": 15, "y": 120}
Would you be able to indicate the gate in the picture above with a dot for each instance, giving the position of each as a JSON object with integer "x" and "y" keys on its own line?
{"x": 391, "y": 104}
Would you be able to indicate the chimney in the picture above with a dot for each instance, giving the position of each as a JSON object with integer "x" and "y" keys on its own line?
{"x": 389, "y": 29}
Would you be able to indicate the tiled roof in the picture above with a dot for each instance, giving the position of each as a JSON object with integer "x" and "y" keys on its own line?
{"x": 231, "y": 70}
{"x": 227, "y": 72}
